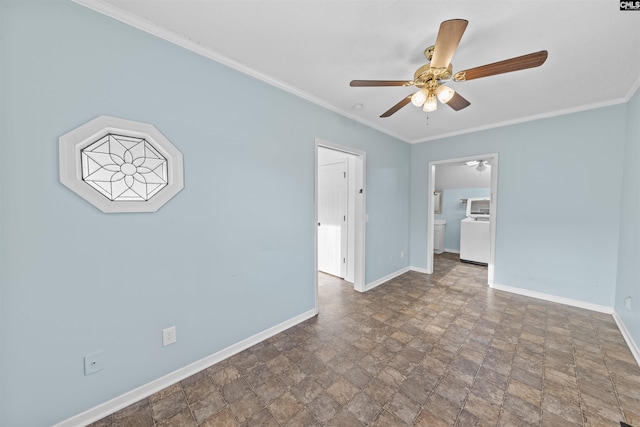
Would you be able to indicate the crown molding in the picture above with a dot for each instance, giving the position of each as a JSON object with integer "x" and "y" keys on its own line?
{"x": 154, "y": 29}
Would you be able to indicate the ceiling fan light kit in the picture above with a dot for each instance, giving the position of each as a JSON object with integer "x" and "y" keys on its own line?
{"x": 480, "y": 165}
{"x": 418, "y": 99}
{"x": 445, "y": 93}
{"x": 429, "y": 78}
{"x": 431, "y": 104}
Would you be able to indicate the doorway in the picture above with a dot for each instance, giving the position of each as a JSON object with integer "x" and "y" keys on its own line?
{"x": 489, "y": 161}
{"x": 339, "y": 211}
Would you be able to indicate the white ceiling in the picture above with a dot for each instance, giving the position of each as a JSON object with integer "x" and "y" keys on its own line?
{"x": 314, "y": 48}
{"x": 459, "y": 175}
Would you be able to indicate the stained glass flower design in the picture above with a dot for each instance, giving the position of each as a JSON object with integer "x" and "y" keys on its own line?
{"x": 124, "y": 168}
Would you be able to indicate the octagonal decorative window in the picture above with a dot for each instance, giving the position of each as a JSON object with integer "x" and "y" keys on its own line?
{"x": 124, "y": 168}
{"x": 120, "y": 165}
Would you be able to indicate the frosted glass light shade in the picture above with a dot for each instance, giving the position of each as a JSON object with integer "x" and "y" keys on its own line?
{"x": 419, "y": 97}
{"x": 445, "y": 93}
{"x": 431, "y": 104}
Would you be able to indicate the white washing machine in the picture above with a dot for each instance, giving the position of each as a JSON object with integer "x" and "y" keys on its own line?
{"x": 475, "y": 240}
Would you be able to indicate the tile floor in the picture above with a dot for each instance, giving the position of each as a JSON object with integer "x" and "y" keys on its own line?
{"x": 439, "y": 350}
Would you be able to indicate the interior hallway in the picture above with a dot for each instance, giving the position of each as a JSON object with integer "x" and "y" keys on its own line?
{"x": 439, "y": 350}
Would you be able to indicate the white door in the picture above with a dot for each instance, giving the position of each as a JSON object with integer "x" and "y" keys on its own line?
{"x": 332, "y": 218}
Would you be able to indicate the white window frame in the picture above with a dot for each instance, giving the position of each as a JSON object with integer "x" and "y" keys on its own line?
{"x": 70, "y": 151}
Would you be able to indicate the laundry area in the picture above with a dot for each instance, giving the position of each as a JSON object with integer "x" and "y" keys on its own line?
{"x": 462, "y": 210}
{"x": 475, "y": 238}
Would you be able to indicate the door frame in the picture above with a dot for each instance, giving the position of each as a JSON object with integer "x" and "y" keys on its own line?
{"x": 494, "y": 208}
{"x": 359, "y": 207}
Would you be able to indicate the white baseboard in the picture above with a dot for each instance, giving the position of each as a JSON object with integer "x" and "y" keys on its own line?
{"x": 554, "y": 298}
{"x": 384, "y": 279}
{"x": 453, "y": 251}
{"x": 98, "y": 412}
{"x": 635, "y": 350}
{"x": 418, "y": 269}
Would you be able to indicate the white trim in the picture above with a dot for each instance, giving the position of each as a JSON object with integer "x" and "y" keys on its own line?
{"x": 154, "y": 29}
{"x": 385, "y": 279}
{"x": 554, "y": 298}
{"x": 70, "y": 154}
{"x": 532, "y": 118}
{"x": 493, "y": 219}
{"x": 315, "y": 225}
{"x": 633, "y": 90}
{"x": 104, "y": 409}
{"x": 635, "y": 350}
{"x": 162, "y": 33}
{"x": 418, "y": 269}
{"x": 452, "y": 251}
{"x": 431, "y": 188}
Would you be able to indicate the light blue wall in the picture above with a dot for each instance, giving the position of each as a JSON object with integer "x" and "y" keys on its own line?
{"x": 558, "y": 201}
{"x": 454, "y": 211}
{"x": 629, "y": 248}
{"x": 230, "y": 256}
{"x": 233, "y": 252}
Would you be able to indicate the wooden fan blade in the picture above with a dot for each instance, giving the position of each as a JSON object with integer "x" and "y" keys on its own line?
{"x": 367, "y": 83}
{"x": 396, "y": 107}
{"x": 523, "y": 62}
{"x": 449, "y": 36}
{"x": 458, "y": 102}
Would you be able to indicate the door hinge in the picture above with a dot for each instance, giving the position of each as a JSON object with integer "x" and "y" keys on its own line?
{"x": 344, "y": 217}
{"x": 344, "y": 260}
{"x": 345, "y": 174}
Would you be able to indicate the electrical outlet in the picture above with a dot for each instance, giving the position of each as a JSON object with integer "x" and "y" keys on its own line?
{"x": 168, "y": 336}
{"x": 93, "y": 363}
{"x": 401, "y": 254}
{"x": 627, "y": 303}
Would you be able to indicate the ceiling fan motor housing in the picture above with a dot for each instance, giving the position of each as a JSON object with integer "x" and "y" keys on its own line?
{"x": 429, "y": 77}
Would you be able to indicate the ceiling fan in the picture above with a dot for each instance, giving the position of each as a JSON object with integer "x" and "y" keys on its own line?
{"x": 430, "y": 77}
{"x": 479, "y": 165}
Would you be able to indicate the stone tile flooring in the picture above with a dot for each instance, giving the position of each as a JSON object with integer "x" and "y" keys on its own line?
{"x": 439, "y": 350}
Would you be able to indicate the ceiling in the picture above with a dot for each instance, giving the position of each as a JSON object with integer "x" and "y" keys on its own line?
{"x": 459, "y": 175}
{"x": 314, "y": 48}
